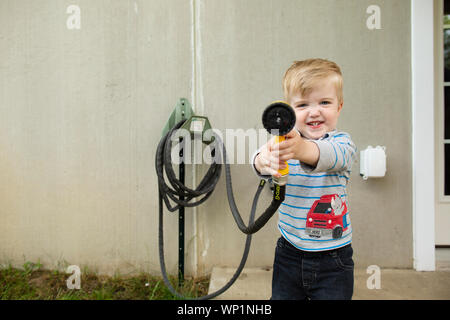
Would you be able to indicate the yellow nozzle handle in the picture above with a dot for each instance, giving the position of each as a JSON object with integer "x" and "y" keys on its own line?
{"x": 284, "y": 171}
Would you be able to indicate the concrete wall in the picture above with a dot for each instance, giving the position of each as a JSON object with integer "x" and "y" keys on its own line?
{"x": 82, "y": 113}
{"x": 244, "y": 58}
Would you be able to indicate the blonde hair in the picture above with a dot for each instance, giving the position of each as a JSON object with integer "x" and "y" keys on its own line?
{"x": 302, "y": 76}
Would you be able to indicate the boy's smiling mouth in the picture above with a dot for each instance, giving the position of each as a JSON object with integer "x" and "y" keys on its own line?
{"x": 315, "y": 124}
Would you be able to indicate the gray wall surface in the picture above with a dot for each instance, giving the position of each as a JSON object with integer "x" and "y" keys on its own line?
{"x": 82, "y": 113}
{"x": 245, "y": 56}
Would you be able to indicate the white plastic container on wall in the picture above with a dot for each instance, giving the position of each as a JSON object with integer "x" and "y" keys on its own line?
{"x": 373, "y": 162}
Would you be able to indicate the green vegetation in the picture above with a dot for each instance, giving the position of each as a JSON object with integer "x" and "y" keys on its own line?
{"x": 33, "y": 283}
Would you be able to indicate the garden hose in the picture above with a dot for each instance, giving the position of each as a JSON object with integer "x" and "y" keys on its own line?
{"x": 203, "y": 191}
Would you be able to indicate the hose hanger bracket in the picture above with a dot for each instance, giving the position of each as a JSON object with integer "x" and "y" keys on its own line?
{"x": 197, "y": 126}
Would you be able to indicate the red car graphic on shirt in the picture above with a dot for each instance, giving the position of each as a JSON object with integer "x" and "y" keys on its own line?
{"x": 327, "y": 217}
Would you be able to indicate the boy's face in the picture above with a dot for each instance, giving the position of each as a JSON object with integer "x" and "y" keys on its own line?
{"x": 317, "y": 113}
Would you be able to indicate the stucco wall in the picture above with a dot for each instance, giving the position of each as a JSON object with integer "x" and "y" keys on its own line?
{"x": 244, "y": 58}
{"x": 82, "y": 113}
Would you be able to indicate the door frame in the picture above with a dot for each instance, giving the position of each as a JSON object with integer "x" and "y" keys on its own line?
{"x": 423, "y": 125}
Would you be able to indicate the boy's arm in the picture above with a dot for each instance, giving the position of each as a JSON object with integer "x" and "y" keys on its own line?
{"x": 337, "y": 153}
{"x": 333, "y": 154}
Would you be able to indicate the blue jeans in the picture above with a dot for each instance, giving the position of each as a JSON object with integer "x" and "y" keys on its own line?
{"x": 300, "y": 275}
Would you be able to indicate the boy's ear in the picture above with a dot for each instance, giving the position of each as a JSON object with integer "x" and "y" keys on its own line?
{"x": 340, "y": 106}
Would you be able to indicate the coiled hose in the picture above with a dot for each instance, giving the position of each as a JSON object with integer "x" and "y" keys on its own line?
{"x": 203, "y": 191}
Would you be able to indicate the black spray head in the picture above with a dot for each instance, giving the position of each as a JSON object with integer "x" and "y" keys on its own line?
{"x": 279, "y": 118}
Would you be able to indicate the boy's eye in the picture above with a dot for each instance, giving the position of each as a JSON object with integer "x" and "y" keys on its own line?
{"x": 302, "y": 105}
{"x": 325, "y": 102}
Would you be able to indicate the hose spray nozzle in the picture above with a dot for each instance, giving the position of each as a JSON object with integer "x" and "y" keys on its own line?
{"x": 279, "y": 119}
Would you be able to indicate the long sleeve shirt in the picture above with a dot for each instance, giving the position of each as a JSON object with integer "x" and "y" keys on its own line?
{"x": 311, "y": 217}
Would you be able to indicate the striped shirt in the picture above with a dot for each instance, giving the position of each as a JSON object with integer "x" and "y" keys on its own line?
{"x": 327, "y": 228}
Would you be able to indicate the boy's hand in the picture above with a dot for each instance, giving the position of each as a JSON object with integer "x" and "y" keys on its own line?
{"x": 298, "y": 148}
{"x": 273, "y": 156}
{"x": 291, "y": 147}
{"x": 267, "y": 161}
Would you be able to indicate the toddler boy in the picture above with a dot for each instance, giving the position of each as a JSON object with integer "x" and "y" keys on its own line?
{"x": 313, "y": 256}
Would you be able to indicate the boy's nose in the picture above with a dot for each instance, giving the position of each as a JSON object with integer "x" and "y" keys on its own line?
{"x": 314, "y": 111}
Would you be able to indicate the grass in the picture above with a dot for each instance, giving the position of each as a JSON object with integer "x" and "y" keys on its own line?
{"x": 31, "y": 282}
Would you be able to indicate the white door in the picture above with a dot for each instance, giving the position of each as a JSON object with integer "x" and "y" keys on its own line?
{"x": 442, "y": 125}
